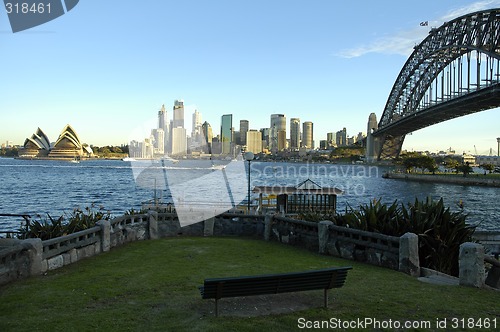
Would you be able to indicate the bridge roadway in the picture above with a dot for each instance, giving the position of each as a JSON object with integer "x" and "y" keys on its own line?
{"x": 472, "y": 102}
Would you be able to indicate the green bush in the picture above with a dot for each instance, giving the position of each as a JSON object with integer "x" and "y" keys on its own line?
{"x": 48, "y": 227}
{"x": 440, "y": 231}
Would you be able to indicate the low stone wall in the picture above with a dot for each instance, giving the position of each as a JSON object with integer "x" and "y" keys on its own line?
{"x": 471, "y": 179}
{"x": 295, "y": 232}
{"x": 21, "y": 258}
{"x": 14, "y": 260}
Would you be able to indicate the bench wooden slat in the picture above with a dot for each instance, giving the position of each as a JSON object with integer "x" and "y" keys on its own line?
{"x": 217, "y": 288}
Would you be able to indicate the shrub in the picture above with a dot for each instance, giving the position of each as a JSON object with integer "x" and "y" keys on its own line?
{"x": 440, "y": 231}
{"x": 47, "y": 227}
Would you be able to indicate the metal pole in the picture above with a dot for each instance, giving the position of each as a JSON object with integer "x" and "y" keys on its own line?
{"x": 248, "y": 187}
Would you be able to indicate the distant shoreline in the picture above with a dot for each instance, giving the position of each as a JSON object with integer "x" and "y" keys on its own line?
{"x": 470, "y": 180}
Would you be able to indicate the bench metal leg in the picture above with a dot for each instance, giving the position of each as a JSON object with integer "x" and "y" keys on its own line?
{"x": 326, "y": 297}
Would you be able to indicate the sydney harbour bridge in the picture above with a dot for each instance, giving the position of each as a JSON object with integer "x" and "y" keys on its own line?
{"x": 453, "y": 72}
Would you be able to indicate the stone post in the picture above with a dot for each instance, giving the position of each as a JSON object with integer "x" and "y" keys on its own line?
{"x": 105, "y": 234}
{"x": 268, "y": 226}
{"x": 409, "y": 261}
{"x": 324, "y": 235}
{"x": 153, "y": 224}
{"x": 208, "y": 227}
{"x": 471, "y": 264}
{"x": 35, "y": 249}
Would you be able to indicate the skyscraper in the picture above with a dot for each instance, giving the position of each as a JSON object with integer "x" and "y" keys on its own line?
{"x": 278, "y": 122}
{"x": 254, "y": 141}
{"x": 197, "y": 122}
{"x": 206, "y": 129}
{"x": 294, "y": 133}
{"x": 330, "y": 141}
{"x": 226, "y": 133}
{"x": 179, "y": 141}
{"x": 341, "y": 137}
{"x": 281, "y": 140}
{"x": 163, "y": 124}
{"x": 244, "y": 124}
{"x": 265, "y": 136}
{"x": 196, "y": 136}
{"x": 307, "y": 135}
{"x": 178, "y": 117}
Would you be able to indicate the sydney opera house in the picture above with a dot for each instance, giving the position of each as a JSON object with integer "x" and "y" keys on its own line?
{"x": 68, "y": 146}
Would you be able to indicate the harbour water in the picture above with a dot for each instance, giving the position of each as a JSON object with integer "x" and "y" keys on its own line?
{"x": 38, "y": 187}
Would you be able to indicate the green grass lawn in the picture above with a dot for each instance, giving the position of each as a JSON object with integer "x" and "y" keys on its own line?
{"x": 152, "y": 286}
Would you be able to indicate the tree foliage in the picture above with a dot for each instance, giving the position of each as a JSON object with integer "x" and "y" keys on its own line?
{"x": 414, "y": 160}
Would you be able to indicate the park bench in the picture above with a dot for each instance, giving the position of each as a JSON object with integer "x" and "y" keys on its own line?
{"x": 217, "y": 288}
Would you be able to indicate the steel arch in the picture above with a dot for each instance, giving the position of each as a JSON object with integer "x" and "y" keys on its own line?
{"x": 477, "y": 32}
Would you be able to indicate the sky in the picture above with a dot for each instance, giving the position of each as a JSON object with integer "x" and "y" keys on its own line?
{"x": 106, "y": 67}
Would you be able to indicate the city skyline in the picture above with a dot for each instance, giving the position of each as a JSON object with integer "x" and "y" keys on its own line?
{"x": 308, "y": 61}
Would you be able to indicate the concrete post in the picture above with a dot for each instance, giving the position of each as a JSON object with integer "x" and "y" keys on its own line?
{"x": 105, "y": 234}
{"x": 471, "y": 264}
{"x": 35, "y": 249}
{"x": 268, "y": 226}
{"x": 324, "y": 235}
{"x": 409, "y": 261}
{"x": 153, "y": 224}
{"x": 208, "y": 227}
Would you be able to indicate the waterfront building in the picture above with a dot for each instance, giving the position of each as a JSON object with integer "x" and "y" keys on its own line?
{"x": 254, "y": 141}
{"x": 330, "y": 141}
{"x": 67, "y": 146}
{"x": 196, "y": 128}
{"x": 244, "y": 126}
{"x": 179, "y": 141}
{"x": 294, "y": 133}
{"x": 163, "y": 124}
{"x": 360, "y": 137}
{"x": 469, "y": 160}
{"x": 159, "y": 141}
{"x": 207, "y": 134}
{"x": 482, "y": 160}
{"x": 226, "y": 133}
{"x": 141, "y": 150}
{"x": 265, "y": 136}
{"x": 282, "y": 140}
{"x": 341, "y": 137}
{"x": 178, "y": 117}
{"x": 278, "y": 122}
{"x": 38, "y": 145}
{"x": 216, "y": 146}
{"x": 307, "y": 135}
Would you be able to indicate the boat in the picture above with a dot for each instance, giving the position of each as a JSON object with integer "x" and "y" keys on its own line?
{"x": 128, "y": 159}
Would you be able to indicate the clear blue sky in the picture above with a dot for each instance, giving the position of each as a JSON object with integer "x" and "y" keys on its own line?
{"x": 107, "y": 66}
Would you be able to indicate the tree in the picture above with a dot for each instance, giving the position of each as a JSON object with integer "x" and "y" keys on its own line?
{"x": 451, "y": 164}
{"x": 488, "y": 167}
{"x": 465, "y": 169}
{"x": 420, "y": 161}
